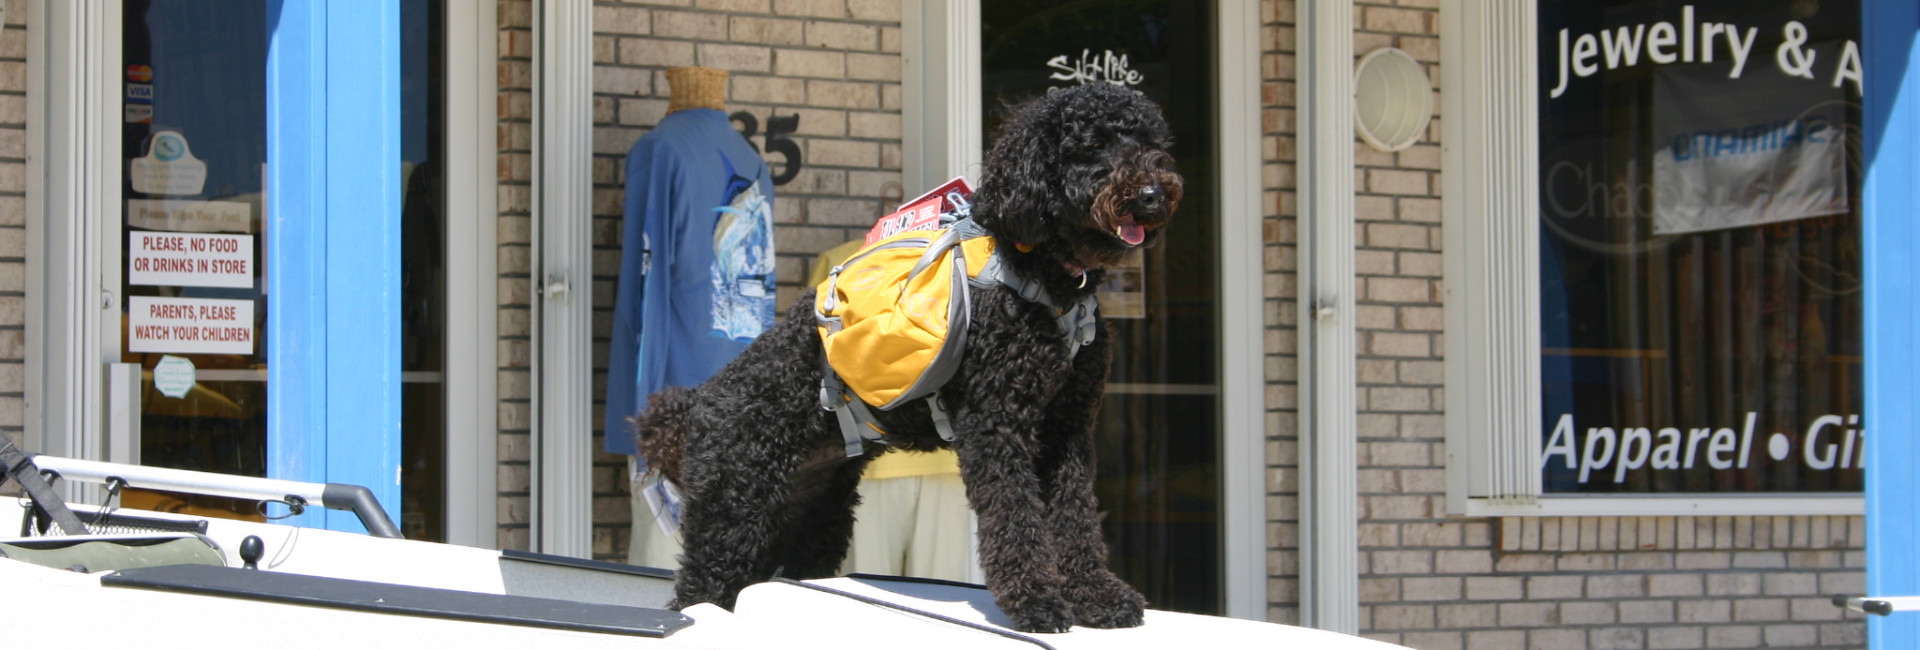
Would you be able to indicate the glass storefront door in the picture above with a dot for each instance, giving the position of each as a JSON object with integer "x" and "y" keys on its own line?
{"x": 1159, "y": 432}
{"x": 193, "y": 276}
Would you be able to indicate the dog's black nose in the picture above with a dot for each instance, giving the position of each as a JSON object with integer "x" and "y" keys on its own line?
{"x": 1152, "y": 199}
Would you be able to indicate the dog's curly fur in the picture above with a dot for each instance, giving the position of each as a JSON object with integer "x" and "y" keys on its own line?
{"x": 766, "y": 483}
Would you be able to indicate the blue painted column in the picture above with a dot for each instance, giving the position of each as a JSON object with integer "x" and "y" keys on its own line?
{"x": 1891, "y": 194}
{"x": 333, "y": 248}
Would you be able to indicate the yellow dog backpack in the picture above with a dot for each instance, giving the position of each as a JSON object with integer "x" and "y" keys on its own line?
{"x": 893, "y": 322}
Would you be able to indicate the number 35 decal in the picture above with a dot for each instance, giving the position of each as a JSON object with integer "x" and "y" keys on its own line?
{"x": 778, "y": 128}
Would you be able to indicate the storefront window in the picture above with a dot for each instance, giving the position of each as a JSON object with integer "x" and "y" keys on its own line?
{"x": 1158, "y": 438}
{"x": 1700, "y": 272}
{"x": 194, "y": 153}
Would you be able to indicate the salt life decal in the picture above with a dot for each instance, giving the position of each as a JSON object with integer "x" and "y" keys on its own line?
{"x": 1692, "y": 41}
{"x": 1089, "y": 68}
{"x": 1830, "y": 442}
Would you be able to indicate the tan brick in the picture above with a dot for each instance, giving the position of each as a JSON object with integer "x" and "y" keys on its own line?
{"x": 1733, "y": 584}
{"x": 739, "y": 6}
{"x": 843, "y": 36}
{"x": 1468, "y": 562}
{"x": 873, "y": 67}
{"x": 642, "y": 111}
{"x": 1733, "y": 637}
{"x": 841, "y": 212}
{"x": 1398, "y": 290}
{"x": 1647, "y": 611}
{"x": 656, "y": 52}
{"x": 842, "y": 94}
{"x": 622, "y": 81}
{"x": 1422, "y": 210}
{"x": 1393, "y": 344}
{"x": 884, "y": 11}
{"x": 1399, "y": 399}
{"x": 810, "y": 63}
{"x": 1675, "y": 637}
{"x": 841, "y": 153}
{"x": 813, "y": 8}
{"x": 628, "y": 21}
{"x": 1586, "y": 612}
{"x": 1402, "y": 617}
{"x": 883, "y": 126}
{"x": 1514, "y": 615}
{"x": 1791, "y": 636}
{"x": 1396, "y": 235}
{"x": 768, "y": 90}
{"x": 736, "y": 58}
{"x": 771, "y": 31}
{"x": 690, "y": 25}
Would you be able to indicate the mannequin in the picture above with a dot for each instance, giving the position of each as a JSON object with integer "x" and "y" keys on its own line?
{"x": 696, "y": 276}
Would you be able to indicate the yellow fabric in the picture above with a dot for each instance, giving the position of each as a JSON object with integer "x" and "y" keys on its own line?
{"x": 901, "y": 464}
{"x": 893, "y": 323}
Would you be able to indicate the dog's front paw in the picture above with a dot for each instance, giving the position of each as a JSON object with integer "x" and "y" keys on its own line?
{"x": 1042, "y": 615}
{"x": 1108, "y": 604}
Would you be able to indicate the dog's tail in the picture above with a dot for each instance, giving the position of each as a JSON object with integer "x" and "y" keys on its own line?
{"x": 662, "y": 430}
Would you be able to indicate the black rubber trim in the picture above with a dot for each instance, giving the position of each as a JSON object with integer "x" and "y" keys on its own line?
{"x": 360, "y": 500}
{"x": 918, "y": 612}
{"x": 401, "y": 600}
{"x": 591, "y": 565}
{"x": 875, "y": 577}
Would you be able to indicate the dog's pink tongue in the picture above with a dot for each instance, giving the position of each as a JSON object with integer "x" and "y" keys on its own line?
{"x": 1129, "y": 232}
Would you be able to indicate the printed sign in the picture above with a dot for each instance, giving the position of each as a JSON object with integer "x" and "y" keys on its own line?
{"x": 189, "y": 325}
{"x": 173, "y": 376}
{"x": 923, "y": 212}
{"x": 189, "y": 259}
{"x": 168, "y": 168}
{"x": 190, "y": 216}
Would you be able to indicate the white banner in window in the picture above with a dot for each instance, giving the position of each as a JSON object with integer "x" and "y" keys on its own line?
{"x": 189, "y": 325}
{"x": 1744, "y": 153}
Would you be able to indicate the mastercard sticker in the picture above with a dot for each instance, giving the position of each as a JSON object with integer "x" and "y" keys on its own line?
{"x": 138, "y": 73}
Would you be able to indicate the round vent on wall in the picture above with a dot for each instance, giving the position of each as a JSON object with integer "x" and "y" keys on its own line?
{"x": 1392, "y": 99}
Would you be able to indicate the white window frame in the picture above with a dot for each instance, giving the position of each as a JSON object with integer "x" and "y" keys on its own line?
{"x": 942, "y": 133}
{"x": 73, "y": 181}
{"x": 1490, "y": 215}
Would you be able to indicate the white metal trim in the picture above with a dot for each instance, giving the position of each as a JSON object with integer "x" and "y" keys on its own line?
{"x": 72, "y": 198}
{"x": 472, "y": 424}
{"x": 1573, "y": 506}
{"x": 940, "y": 83}
{"x": 1329, "y": 554}
{"x": 563, "y": 239}
{"x": 1490, "y": 206}
{"x": 1242, "y": 369}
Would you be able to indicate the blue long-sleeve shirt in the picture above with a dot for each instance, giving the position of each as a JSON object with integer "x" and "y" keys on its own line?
{"x": 696, "y": 268}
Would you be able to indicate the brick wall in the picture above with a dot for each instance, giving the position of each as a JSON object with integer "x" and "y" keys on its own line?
{"x": 834, "y": 63}
{"x": 1432, "y": 581}
{"x": 13, "y": 221}
{"x": 515, "y": 282}
{"x": 1279, "y": 257}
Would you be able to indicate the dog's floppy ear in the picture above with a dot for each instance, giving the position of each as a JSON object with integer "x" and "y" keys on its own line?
{"x": 1015, "y": 200}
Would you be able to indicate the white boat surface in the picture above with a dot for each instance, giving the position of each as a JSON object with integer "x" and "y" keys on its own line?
{"x": 315, "y": 588}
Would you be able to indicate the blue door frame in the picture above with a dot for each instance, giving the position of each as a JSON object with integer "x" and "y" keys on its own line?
{"x": 333, "y": 248}
{"x": 1891, "y": 112}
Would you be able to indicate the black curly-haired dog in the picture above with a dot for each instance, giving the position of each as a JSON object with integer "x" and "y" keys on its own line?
{"x": 1078, "y": 179}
